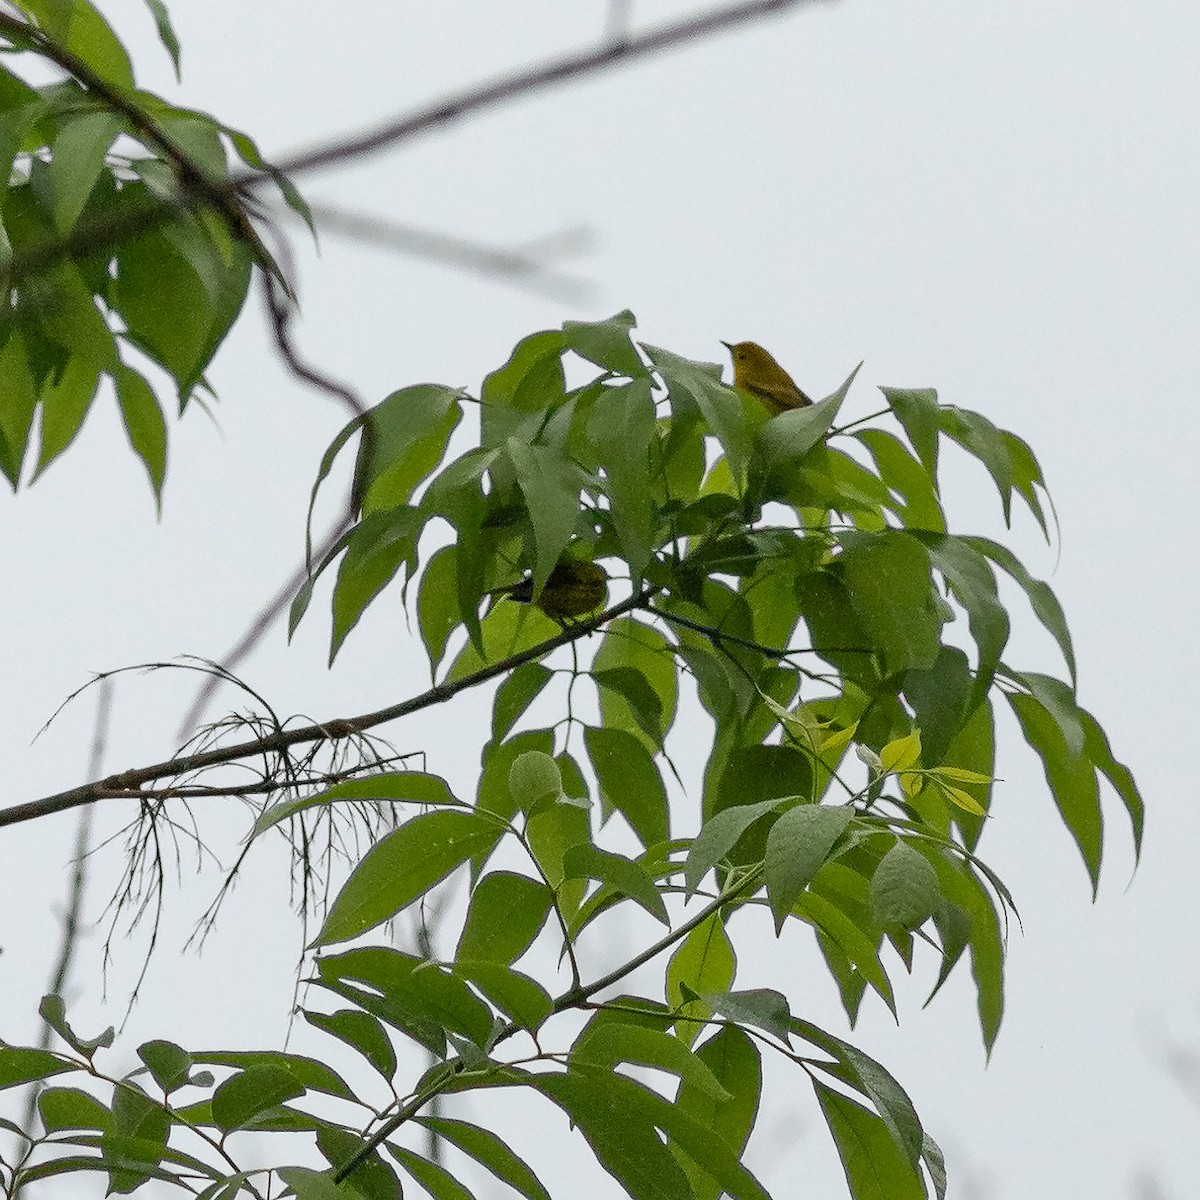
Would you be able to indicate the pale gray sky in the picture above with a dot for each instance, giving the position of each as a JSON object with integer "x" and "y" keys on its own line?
{"x": 999, "y": 200}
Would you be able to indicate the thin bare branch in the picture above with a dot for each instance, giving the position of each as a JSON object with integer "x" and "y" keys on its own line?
{"x": 533, "y": 79}
{"x": 282, "y": 739}
{"x": 519, "y": 267}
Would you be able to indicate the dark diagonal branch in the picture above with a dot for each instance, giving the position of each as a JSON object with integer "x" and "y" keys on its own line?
{"x": 534, "y": 79}
{"x": 125, "y": 782}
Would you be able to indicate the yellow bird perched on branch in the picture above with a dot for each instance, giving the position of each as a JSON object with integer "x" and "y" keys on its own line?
{"x": 574, "y": 588}
{"x": 756, "y": 371}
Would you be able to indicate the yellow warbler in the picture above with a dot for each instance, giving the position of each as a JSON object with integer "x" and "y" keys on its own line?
{"x": 755, "y": 371}
{"x": 575, "y": 587}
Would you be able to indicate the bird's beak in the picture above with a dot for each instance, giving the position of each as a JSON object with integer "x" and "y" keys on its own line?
{"x": 727, "y": 346}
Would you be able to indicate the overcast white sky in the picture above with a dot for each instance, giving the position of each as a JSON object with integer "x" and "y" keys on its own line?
{"x": 999, "y": 200}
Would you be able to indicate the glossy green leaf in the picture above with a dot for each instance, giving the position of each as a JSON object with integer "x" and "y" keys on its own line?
{"x": 550, "y": 483}
{"x": 875, "y": 1167}
{"x": 861, "y": 1071}
{"x": 860, "y": 949}
{"x": 438, "y": 610}
{"x": 403, "y": 867}
{"x": 21, "y": 1065}
{"x": 310, "y": 1073}
{"x": 534, "y": 779}
{"x": 797, "y": 845}
{"x": 764, "y": 1007}
{"x": 71, "y": 1108}
{"x": 307, "y": 1184}
{"x": 489, "y": 1151}
{"x": 904, "y": 889}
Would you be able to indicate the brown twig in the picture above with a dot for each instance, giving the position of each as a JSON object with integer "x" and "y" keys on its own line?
{"x": 127, "y": 782}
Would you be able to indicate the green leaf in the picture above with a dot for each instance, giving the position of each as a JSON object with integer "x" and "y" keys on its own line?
{"x": 515, "y": 994}
{"x": 309, "y": 1073}
{"x": 887, "y": 578}
{"x": 78, "y": 27}
{"x": 979, "y": 437}
{"x": 361, "y": 1032}
{"x": 515, "y": 695}
{"x": 424, "y": 1001}
{"x": 860, "y": 950}
{"x": 620, "y": 874}
{"x": 904, "y": 889}
{"x": 939, "y": 698}
{"x": 375, "y": 550}
{"x": 65, "y": 403}
{"x": 1058, "y": 699}
{"x": 735, "y": 1063}
{"x": 1041, "y": 596}
{"x": 618, "y": 1118}
{"x": 641, "y": 706}
{"x": 1101, "y": 755}
{"x": 403, "y": 867}
{"x": 917, "y": 409}
{"x": 167, "y": 309}
{"x": 20, "y": 1065}
{"x": 763, "y": 1007}
{"x": 621, "y": 428}
{"x": 875, "y": 1167}
{"x": 438, "y": 610}
{"x": 534, "y": 778}
{"x": 861, "y": 1071}
{"x": 787, "y": 438}
{"x": 70, "y": 1108}
{"x": 243, "y": 1096}
{"x": 390, "y": 787}
{"x": 490, "y": 1152}
{"x": 904, "y": 474}
{"x": 961, "y": 888}
{"x": 506, "y": 913}
{"x": 79, "y": 151}
{"x": 608, "y": 1040}
{"x": 1070, "y": 775}
{"x": 973, "y": 584}
{"x": 550, "y": 483}
{"x": 703, "y": 963}
{"x": 435, "y": 1179}
{"x": 169, "y": 1064}
{"x": 719, "y": 835}
{"x": 696, "y": 387}
{"x": 797, "y": 846}
{"x": 145, "y": 425}
{"x": 307, "y": 1184}
{"x": 624, "y": 704}
{"x": 166, "y": 33}
{"x": 606, "y": 343}
{"x": 53, "y": 1011}
{"x": 403, "y": 438}
{"x": 629, "y": 782}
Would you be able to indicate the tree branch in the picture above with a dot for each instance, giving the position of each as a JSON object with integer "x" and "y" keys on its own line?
{"x": 129, "y": 781}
